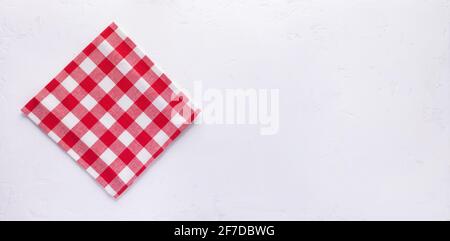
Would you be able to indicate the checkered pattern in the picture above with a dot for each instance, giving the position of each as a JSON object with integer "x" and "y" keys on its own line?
{"x": 112, "y": 110}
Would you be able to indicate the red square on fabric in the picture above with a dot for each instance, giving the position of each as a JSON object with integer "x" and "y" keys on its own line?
{"x": 124, "y": 84}
{"x": 143, "y": 138}
{"x": 32, "y": 104}
{"x": 107, "y": 102}
{"x": 108, "y": 138}
{"x": 161, "y": 120}
{"x": 70, "y": 139}
{"x": 89, "y": 120}
{"x": 159, "y": 85}
{"x": 88, "y": 84}
{"x": 90, "y": 157}
{"x": 108, "y": 175}
{"x": 142, "y": 67}
{"x": 89, "y": 49}
{"x": 50, "y": 121}
{"x": 71, "y": 67}
{"x": 126, "y": 156}
{"x": 70, "y": 102}
{"x": 52, "y": 85}
{"x": 124, "y": 49}
{"x": 106, "y": 66}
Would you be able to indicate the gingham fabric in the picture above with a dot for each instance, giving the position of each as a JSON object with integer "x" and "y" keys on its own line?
{"x": 112, "y": 110}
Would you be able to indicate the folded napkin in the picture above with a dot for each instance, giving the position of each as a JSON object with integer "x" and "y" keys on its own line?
{"x": 112, "y": 110}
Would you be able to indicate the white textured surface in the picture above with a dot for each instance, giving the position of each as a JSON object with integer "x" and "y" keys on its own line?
{"x": 365, "y": 109}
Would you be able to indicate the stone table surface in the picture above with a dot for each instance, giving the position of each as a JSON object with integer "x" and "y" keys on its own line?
{"x": 364, "y": 109}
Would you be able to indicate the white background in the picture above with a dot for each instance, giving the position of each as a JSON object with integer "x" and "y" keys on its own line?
{"x": 364, "y": 109}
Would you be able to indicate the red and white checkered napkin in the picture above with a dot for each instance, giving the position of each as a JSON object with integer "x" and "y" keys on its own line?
{"x": 112, "y": 110}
